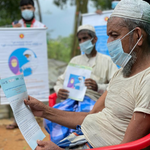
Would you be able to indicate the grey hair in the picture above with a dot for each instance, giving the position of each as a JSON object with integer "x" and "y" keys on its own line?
{"x": 89, "y": 32}
{"x": 131, "y": 24}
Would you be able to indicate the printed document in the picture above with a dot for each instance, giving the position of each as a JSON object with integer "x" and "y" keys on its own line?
{"x": 74, "y": 80}
{"x": 15, "y": 91}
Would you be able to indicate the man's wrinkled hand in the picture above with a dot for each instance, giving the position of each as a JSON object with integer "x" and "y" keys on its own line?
{"x": 63, "y": 94}
{"x": 91, "y": 84}
{"x": 47, "y": 145}
{"x": 36, "y": 106}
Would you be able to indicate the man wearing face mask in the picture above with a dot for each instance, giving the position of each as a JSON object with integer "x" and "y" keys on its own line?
{"x": 102, "y": 71}
{"x": 122, "y": 113}
{"x": 28, "y": 15}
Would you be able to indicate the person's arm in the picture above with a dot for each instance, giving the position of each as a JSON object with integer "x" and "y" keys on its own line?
{"x": 68, "y": 119}
{"x": 72, "y": 119}
{"x": 138, "y": 127}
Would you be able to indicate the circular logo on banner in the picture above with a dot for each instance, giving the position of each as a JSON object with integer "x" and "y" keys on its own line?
{"x": 106, "y": 18}
{"x": 23, "y": 61}
{"x": 21, "y": 36}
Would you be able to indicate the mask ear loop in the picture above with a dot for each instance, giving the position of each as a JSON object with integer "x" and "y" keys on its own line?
{"x": 133, "y": 48}
{"x": 127, "y": 34}
{"x": 136, "y": 44}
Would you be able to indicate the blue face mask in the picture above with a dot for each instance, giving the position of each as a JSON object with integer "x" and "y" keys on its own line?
{"x": 118, "y": 56}
{"x": 86, "y": 46}
{"x": 114, "y": 4}
{"x": 27, "y": 14}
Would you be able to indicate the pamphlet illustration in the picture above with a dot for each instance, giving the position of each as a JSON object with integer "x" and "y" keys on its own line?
{"x": 75, "y": 80}
{"x": 23, "y": 61}
{"x": 15, "y": 91}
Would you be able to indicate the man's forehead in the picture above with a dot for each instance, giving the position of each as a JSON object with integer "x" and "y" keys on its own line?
{"x": 115, "y": 23}
{"x": 83, "y": 33}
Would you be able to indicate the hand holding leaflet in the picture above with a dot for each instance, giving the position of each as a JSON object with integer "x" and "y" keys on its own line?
{"x": 75, "y": 80}
{"x": 15, "y": 91}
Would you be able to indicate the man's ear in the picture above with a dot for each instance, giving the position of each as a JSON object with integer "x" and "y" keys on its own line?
{"x": 34, "y": 9}
{"x": 139, "y": 32}
{"x": 95, "y": 39}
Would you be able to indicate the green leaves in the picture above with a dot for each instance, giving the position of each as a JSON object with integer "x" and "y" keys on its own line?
{"x": 102, "y": 4}
{"x": 62, "y": 3}
{"x": 60, "y": 48}
{"x": 9, "y": 11}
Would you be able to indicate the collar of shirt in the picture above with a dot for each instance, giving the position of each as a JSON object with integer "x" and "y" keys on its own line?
{"x": 29, "y": 25}
{"x": 91, "y": 61}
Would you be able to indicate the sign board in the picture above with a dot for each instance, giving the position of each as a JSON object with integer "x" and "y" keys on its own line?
{"x": 24, "y": 51}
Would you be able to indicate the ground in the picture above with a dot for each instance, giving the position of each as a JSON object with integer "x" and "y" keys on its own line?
{"x": 13, "y": 139}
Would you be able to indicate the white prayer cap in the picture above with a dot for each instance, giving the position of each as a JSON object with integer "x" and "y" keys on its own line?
{"x": 133, "y": 9}
{"x": 86, "y": 27}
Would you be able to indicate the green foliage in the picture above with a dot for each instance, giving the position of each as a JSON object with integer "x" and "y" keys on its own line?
{"x": 62, "y": 3}
{"x": 102, "y": 4}
{"x": 60, "y": 48}
{"x": 99, "y": 4}
{"x": 9, "y": 11}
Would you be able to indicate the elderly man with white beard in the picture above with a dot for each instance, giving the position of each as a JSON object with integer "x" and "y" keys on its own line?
{"x": 122, "y": 113}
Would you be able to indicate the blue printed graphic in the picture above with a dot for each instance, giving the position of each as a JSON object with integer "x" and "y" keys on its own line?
{"x": 23, "y": 61}
{"x": 13, "y": 85}
{"x": 76, "y": 82}
{"x": 101, "y": 45}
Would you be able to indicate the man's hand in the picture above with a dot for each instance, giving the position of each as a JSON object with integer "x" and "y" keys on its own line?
{"x": 91, "y": 84}
{"x": 47, "y": 145}
{"x": 99, "y": 12}
{"x": 63, "y": 94}
{"x": 18, "y": 25}
{"x": 36, "y": 106}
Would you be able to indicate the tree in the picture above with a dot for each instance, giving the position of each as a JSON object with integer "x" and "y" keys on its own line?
{"x": 102, "y": 4}
{"x": 9, "y": 11}
{"x": 81, "y": 7}
{"x": 39, "y": 10}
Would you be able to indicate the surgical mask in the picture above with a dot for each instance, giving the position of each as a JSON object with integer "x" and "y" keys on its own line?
{"x": 87, "y": 46}
{"x": 27, "y": 14}
{"x": 114, "y": 4}
{"x": 118, "y": 56}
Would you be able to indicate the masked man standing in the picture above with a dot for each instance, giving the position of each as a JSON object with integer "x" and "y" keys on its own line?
{"x": 28, "y": 15}
{"x": 102, "y": 71}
